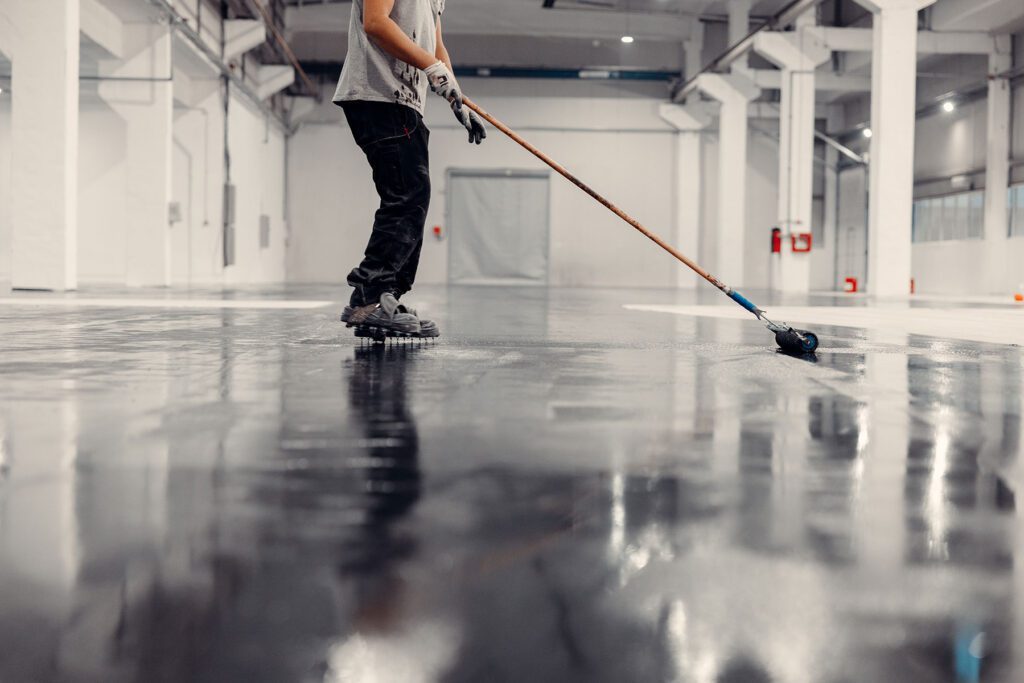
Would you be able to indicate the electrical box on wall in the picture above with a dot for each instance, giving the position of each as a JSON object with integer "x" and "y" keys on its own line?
{"x": 229, "y": 225}
{"x": 264, "y": 232}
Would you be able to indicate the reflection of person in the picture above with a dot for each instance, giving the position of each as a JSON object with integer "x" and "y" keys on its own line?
{"x": 395, "y": 51}
{"x": 377, "y": 395}
{"x": 387, "y": 642}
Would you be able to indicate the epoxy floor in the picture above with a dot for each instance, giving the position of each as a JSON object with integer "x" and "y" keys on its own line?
{"x": 561, "y": 489}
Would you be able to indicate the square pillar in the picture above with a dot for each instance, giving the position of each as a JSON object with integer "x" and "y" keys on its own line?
{"x": 735, "y": 93}
{"x": 739, "y": 28}
{"x": 44, "y": 143}
{"x": 893, "y": 122}
{"x": 997, "y": 169}
{"x": 689, "y": 122}
{"x": 147, "y": 109}
{"x": 693, "y": 48}
{"x": 797, "y": 54}
{"x": 823, "y": 267}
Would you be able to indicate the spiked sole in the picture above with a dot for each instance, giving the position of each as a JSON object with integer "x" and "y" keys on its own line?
{"x": 380, "y": 334}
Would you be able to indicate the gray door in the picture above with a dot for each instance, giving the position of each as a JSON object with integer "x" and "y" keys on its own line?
{"x": 497, "y": 227}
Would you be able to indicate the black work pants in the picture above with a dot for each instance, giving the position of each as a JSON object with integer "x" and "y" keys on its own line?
{"x": 394, "y": 140}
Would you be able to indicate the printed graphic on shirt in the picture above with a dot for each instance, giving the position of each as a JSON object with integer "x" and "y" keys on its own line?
{"x": 371, "y": 74}
{"x": 408, "y": 92}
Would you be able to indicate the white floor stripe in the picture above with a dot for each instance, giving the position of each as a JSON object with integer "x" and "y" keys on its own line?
{"x": 33, "y": 301}
{"x": 992, "y": 325}
{"x": 1004, "y": 300}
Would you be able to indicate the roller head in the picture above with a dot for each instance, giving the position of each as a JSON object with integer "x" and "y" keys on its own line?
{"x": 797, "y": 342}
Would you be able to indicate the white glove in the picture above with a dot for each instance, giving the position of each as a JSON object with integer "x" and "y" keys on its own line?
{"x": 473, "y": 123}
{"x": 442, "y": 81}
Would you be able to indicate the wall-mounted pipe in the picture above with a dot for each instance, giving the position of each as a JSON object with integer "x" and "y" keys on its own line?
{"x": 841, "y": 148}
{"x": 786, "y": 16}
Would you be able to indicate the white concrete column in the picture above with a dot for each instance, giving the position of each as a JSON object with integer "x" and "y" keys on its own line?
{"x": 997, "y": 168}
{"x": 689, "y": 122}
{"x": 798, "y": 54}
{"x": 147, "y": 108}
{"x": 44, "y": 142}
{"x": 735, "y": 92}
{"x": 693, "y": 47}
{"x": 823, "y": 264}
{"x": 739, "y": 28}
{"x": 891, "y": 183}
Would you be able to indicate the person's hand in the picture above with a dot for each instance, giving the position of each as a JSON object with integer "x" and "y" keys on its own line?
{"x": 473, "y": 123}
{"x": 442, "y": 81}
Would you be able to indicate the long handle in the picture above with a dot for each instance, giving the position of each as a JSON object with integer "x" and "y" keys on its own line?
{"x": 586, "y": 188}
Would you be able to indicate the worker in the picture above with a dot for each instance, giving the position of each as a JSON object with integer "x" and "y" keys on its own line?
{"x": 395, "y": 52}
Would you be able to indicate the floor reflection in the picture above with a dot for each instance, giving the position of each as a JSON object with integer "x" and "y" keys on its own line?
{"x": 253, "y": 496}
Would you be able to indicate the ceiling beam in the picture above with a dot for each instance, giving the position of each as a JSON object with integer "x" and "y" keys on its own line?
{"x": 977, "y": 15}
{"x": 513, "y": 19}
{"x": 102, "y": 27}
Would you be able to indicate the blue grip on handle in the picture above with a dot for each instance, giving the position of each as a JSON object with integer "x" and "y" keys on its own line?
{"x": 745, "y": 302}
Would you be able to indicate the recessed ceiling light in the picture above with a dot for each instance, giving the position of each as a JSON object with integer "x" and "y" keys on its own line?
{"x": 948, "y": 106}
{"x": 627, "y": 39}
{"x": 868, "y": 133}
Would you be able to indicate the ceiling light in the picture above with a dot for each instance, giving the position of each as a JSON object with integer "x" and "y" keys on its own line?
{"x": 948, "y": 106}
{"x": 867, "y": 132}
{"x": 627, "y": 39}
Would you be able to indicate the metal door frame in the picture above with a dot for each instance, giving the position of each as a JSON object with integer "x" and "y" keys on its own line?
{"x": 453, "y": 171}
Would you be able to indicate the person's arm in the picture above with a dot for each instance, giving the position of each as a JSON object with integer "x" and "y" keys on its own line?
{"x": 441, "y": 52}
{"x": 467, "y": 117}
{"x": 379, "y": 26}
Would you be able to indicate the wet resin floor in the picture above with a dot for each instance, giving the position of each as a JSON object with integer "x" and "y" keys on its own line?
{"x": 207, "y": 486}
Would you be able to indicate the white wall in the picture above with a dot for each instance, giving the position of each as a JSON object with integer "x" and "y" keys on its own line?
{"x": 1017, "y": 134}
{"x": 762, "y": 202}
{"x": 5, "y": 189}
{"x": 102, "y": 213}
{"x": 951, "y": 144}
{"x": 196, "y": 255}
{"x": 258, "y": 172}
{"x": 258, "y": 162}
{"x": 619, "y": 146}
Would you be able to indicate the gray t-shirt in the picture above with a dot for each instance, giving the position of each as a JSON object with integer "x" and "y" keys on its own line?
{"x": 372, "y": 75}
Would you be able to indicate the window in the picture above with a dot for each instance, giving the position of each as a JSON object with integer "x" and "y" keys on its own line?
{"x": 1015, "y": 205}
{"x": 953, "y": 217}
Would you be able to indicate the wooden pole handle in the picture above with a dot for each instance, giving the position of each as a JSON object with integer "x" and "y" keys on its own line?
{"x": 586, "y": 188}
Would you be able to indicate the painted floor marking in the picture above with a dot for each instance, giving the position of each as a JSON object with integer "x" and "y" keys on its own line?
{"x": 33, "y": 301}
{"x": 990, "y": 325}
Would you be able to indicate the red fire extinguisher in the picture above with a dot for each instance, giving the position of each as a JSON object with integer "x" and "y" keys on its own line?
{"x": 776, "y": 240}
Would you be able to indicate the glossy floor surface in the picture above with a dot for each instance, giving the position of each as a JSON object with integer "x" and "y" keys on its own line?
{"x": 560, "y": 489}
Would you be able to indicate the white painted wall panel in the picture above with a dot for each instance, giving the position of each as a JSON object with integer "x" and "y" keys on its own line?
{"x": 332, "y": 197}
{"x": 762, "y": 198}
{"x": 199, "y": 132}
{"x": 627, "y": 154}
{"x": 5, "y": 190}
{"x": 257, "y": 170}
{"x": 951, "y": 144}
{"x": 102, "y": 216}
{"x": 1017, "y": 140}
{"x": 939, "y": 267}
